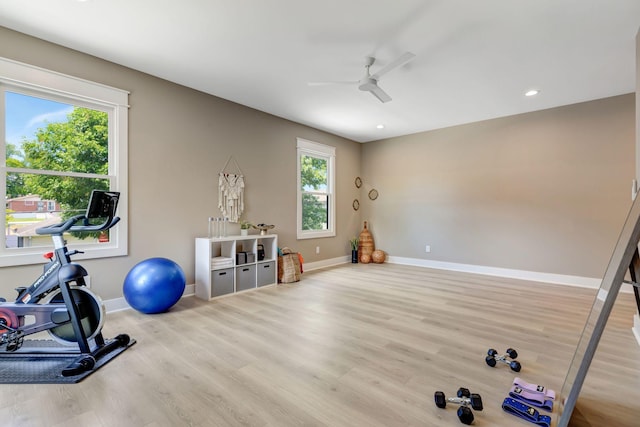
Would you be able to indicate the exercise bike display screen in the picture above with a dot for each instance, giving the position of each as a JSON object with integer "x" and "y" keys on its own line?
{"x": 102, "y": 204}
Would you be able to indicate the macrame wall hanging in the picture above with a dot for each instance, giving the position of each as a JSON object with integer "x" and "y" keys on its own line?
{"x": 231, "y": 192}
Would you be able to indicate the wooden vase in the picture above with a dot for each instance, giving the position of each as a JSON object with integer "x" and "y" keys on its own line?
{"x": 365, "y": 244}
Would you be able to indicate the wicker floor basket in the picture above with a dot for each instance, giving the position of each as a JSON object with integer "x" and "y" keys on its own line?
{"x": 289, "y": 267}
{"x": 365, "y": 245}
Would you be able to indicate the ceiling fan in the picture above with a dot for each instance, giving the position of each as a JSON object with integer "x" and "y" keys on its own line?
{"x": 369, "y": 83}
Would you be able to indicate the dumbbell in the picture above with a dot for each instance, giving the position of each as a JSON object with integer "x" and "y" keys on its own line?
{"x": 464, "y": 399}
{"x": 493, "y": 358}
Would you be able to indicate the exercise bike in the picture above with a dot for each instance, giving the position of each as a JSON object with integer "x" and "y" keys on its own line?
{"x": 59, "y": 301}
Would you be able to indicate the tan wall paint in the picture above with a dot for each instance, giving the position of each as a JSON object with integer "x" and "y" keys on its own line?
{"x": 179, "y": 140}
{"x": 545, "y": 192}
{"x": 638, "y": 106}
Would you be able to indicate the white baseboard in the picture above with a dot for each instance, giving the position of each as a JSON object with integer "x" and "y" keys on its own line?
{"x": 116, "y": 304}
{"x": 308, "y": 266}
{"x": 636, "y": 327}
{"x": 559, "y": 279}
{"x": 119, "y": 304}
{"x": 189, "y": 290}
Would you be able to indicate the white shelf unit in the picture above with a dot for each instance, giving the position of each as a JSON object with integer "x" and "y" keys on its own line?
{"x": 216, "y": 279}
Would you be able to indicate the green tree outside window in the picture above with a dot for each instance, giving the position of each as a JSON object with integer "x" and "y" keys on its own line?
{"x": 314, "y": 183}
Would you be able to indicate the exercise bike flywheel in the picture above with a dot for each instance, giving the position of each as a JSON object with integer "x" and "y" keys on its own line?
{"x": 90, "y": 308}
{"x": 7, "y": 319}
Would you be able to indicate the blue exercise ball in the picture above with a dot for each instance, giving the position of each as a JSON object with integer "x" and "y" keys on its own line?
{"x": 154, "y": 285}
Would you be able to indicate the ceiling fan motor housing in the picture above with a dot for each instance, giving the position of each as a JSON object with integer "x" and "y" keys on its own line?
{"x": 368, "y": 84}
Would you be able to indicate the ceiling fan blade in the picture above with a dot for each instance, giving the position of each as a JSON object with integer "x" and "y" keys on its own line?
{"x": 380, "y": 94}
{"x": 398, "y": 62}
{"x": 331, "y": 83}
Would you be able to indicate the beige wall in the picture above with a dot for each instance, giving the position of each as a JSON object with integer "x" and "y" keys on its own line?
{"x": 638, "y": 106}
{"x": 179, "y": 140}
{"x": 544, "y": 192}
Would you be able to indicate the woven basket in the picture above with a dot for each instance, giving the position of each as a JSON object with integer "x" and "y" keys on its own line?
{"x": 378, "y": 256}
{"x": 289, "y": 268}
{"x": 365, "y": 244}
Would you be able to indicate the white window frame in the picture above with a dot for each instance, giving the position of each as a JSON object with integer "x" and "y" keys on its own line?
{"x": 314, "y": 149}
{"x": 34, "y": 81}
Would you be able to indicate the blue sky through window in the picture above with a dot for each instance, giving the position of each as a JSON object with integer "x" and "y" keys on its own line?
{"x": 25, "y": 114}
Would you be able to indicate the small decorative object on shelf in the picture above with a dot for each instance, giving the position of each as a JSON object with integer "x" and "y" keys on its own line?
{"x": 354, "y": 250}
{"x": 217, "y": 227}
{"x": 213, "y": 227}
{"x": 264, "y": 228}
{"x": 222, "y": 222}
{"x": 244, "y": 227}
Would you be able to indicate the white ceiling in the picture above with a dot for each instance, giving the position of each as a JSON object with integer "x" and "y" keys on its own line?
{"x": 474, "y": 58}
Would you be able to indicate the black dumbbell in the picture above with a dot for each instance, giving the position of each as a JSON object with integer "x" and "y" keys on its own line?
{"x": 493, "y": 358}
{"x": 464, "y": 399}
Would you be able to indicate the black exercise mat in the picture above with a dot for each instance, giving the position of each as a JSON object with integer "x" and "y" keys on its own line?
{"x": 46, "y": 368}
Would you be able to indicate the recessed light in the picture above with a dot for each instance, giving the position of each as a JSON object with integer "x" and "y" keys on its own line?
{"x": 380, "y": 126}
{"x": 532, "y": 92}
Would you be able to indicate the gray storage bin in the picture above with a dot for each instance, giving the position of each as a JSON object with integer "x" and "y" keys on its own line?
{"x": 245, "y": 277}
{"x": 266, "y": 273}
{"x": 221, "y": 282}
{"x": 241, "y": 258}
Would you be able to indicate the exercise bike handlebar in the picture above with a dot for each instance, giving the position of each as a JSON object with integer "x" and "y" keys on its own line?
{"x": 69, "y": 225}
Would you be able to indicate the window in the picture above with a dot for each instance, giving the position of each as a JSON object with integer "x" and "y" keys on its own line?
{"x": 62, "y": 138}
{"x": 316, "y": 198}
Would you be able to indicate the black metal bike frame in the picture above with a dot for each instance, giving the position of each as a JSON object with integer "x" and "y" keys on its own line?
{"x": 59, "y": 273}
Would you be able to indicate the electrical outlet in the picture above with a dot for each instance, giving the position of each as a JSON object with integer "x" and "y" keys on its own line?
{"x": 317, "y": 249}
{"x": 427, "y": 248}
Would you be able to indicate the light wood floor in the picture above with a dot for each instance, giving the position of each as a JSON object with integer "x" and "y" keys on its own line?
{"x": 354, "y": 345}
